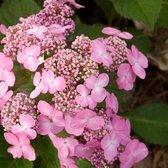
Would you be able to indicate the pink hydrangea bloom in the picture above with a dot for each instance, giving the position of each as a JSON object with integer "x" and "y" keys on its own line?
{"x": 41, "y": 85}
{"x": 20, "y": 146}
{"x": 115, "y": 32}
{"x": 38, "y": 31}
{"x": 29, "y": 57}
{"x": 134, "y": 152}
{"x": 126, "y": 77}
{"x": 85, "y": 151}
{"x": 122, "y": 128}
{"x": 84, "y": 99}
{"x": 6, "y": 66}
{"x": 5, "y": 95}
{"x": 99, "y": 53}
{"x": 27, "y": 123}
{"x": 86, "y": 119}
{"x": 97, "y": 85}
{"x": 109, "y": 144}
{"x": 54, "y": 83}
{"x": 50, "y": 119}
{"x": 68, "y": 127}
{"x": 68, "y": 163}
{"x": 58, "y": 30}
{"x": 65, "y": 146}
{"x": 138, "y": 62}
{"x": 71, "y": 2}
{"x": 111, "y": 104}
{"x": 3, "y": 29}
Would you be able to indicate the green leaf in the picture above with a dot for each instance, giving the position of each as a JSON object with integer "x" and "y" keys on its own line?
{"x": 92, "y": 31}
{"x": 84, "y": 164}
{"x": 12, "y": 10}
{"x": 162, "y": 20}
{"x": 15, "y": 163}
{"x": 108, "y": 9}
{"x": 46, "y": 152}
{"x": 150, "y": 122}
{"x": 146, "y": 11}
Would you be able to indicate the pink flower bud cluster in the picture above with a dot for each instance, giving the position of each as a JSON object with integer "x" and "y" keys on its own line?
{"x": 77, "y": 79}
{"x": 47, "y": 29}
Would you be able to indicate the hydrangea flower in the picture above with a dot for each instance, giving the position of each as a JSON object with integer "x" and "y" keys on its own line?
{"x": 6, "y": 66}
{"x": 138, "y": 62}
{"x": 109, "y": 144}
{"x": 26, "y": 124}
{"x": 115, "y": 32}
{"x": 126, "y": 77}
{"x": 29, "y": 57}
{"x": 41, "y": 85}
{"x": 3, "y": 29}
{"x": 65, "y": 146}
{"x": 97, "y": 85}
{"x": 134, "y": 152}
{"x": 99, "y": 53}
{"x": 50, "y": 119}
{"x": 111, "y": 104}
{"x": 86, "y": 119}
{"x": 5, "y": 95}
{"x": 38, "y": 31}
{"x": 84, "y": 99}
{"x": 20, "y": 146}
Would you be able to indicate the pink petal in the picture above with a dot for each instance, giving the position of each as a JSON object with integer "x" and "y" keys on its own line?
{"x": 11, "y": 138}
{"x": 45, "y": 108}
{"x": 95, "y": 123}
{"x": 35, "y": 93}
{"x": 139, "y": 71}
{"x": 15, "y": 151}
{"x": 110, "y": 31}
{"x": 124, "y": 35}
{"x": 31, "y": 64}
{"x": 98, "y": 94}
{"x": 26, "y": 120}
{"x": 103, "y": 80}
{"x": 59, "y": 83}
{"x": 82, "y": 90}
{"x": 17, "y": 129}
{"x": 3, "y": 89}
{"x": 75, "y": 131}
{"x": 8, "y": 64}
{"x": 83, "y": 101}
{"x": 36, "y": 79}
{"x": 9, "y": 78}
{"x": 44, "y": 125}
{"x": 28, "y": 152}
{"x": 91, "y": 82}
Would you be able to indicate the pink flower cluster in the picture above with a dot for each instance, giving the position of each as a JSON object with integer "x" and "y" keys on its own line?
{"x": 77, "y": 79}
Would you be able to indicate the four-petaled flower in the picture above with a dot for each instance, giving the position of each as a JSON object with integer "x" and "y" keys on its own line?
{"x": 84, "y": 99}
{"x": 20, "y": 146}
{"x": 26, "y": 125}
{"x": 97, "y": 85}
{"x": 133, "y": 153}
{"x": 86, "y": 119}
{"x": 138, "y": 62}
{"x": 29, "y": 57}
{"x": 109, "y": 144}
{"x": 38, "y": 31}
{"x": 50, "y": 119}
{"x": 99, "y": 53}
